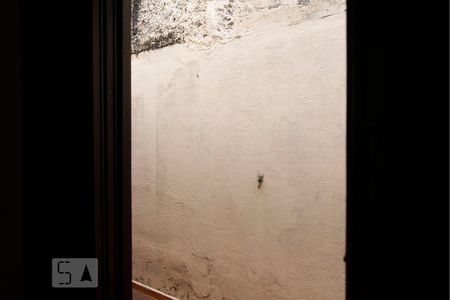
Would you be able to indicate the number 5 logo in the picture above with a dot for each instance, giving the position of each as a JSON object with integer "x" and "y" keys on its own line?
{"x": 68, "y": 273}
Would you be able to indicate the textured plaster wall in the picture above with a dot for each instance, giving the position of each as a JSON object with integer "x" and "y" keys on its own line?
{"x": 205, "y": 124}
{"x": 202, "y": 23}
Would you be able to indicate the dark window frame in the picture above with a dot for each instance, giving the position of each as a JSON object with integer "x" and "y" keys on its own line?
{"x": 112, "y": 142}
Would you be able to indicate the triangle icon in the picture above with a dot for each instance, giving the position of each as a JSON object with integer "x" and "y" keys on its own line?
{"x": 86, "y": 275}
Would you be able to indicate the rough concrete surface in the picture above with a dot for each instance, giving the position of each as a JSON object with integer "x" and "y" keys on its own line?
{"x": 202, "y": 23}
{"x": 206, "y": 123}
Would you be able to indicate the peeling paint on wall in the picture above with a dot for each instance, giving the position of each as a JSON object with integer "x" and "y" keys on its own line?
{"x": 203, "y": 23}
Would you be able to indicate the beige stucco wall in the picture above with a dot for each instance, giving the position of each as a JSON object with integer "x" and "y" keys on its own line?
{"x": 205, "y": 123}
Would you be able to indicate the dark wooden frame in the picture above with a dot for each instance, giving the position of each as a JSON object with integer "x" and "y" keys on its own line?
{"x": 112, "y": 142}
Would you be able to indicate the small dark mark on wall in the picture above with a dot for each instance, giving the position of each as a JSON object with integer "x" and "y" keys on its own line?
{"x": 158, "y": 42}
{"x": 260, "y": 180}
{"x": 274, "y": 6}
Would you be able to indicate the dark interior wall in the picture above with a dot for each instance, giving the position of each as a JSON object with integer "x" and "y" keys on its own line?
{"x": 397, "y": 230}
{"x": 57, "y": 104}
{"x": 10, "y": 152}
{"x": 74, "y": 63}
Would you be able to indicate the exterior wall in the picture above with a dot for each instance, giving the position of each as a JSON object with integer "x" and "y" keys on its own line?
{"x": 205, "y": 124}
{"x": 202, "y": 23}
